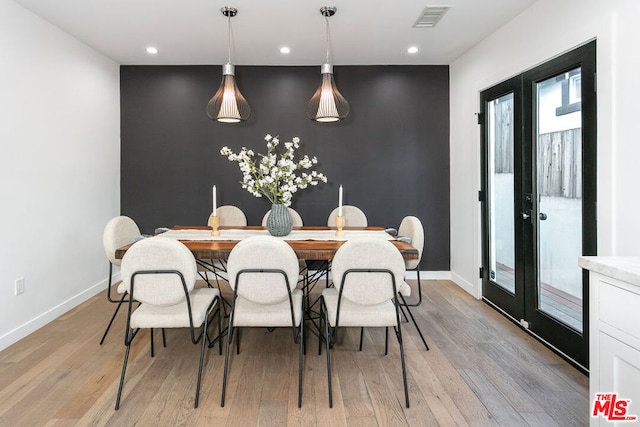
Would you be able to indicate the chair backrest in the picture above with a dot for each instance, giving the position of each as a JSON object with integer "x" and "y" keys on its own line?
{"x": 295, "y": 216}
{"x": 231, "y": 216}
{"x": 353, "y": 217}
{"x": 153, "y": 254}
{"x": 411, "y": 227}
{"x": 118, "y": 232}
{"x": 262, "y": 252}
{"x": 367, "y": 253}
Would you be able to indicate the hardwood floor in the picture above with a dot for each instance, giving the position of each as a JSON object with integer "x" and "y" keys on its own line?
{"x": 481, "y": 370}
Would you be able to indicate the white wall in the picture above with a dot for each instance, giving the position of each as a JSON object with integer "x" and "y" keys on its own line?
{"x": 547, "y": 29}
{"x": 59, "y": 169}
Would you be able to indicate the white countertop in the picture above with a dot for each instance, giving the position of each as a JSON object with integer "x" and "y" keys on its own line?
{"x": 624, "y": 268}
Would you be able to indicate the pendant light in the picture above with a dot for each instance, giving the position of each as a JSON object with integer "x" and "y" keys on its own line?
{"x": 327, "y": 104}
{"x": 228, "y": 105}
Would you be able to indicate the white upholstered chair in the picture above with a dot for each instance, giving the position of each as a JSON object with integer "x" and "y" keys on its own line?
{"x": 263, "y": 271}
{"x": 297, "y": 222}
{"x": 366, "y": 273}
{"x": 412, "y": 230}
{"x": 160, "y": 273}
{"x": 118, "y": 232}
{"x": 230, "y": 216}
{"x": 353, "y": 217}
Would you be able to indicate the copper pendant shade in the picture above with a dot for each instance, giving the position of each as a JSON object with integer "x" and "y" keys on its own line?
{"x": 228, "y": 105}
{"x": 327, "y": 104}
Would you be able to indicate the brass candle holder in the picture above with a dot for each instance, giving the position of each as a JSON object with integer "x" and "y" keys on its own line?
{"x": 339, "y": 225}
{"x": 214, "y": 223}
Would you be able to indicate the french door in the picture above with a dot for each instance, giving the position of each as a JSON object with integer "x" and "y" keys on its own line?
{"x": 539, "y": 198}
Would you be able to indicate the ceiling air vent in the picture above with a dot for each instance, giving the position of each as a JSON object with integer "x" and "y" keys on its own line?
{"x": 430, "y": 16}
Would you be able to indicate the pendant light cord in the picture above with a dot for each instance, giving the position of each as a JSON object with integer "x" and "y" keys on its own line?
{"x": 326, "y": 19}
{"x": 229, "y": 37}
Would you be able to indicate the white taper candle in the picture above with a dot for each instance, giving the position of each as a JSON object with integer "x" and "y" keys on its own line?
{"x": 340, "y": 201}
{"x": 214, "y": 202}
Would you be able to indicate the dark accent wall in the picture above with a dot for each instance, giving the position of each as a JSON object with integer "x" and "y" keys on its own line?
{"x": 391, "y": 154}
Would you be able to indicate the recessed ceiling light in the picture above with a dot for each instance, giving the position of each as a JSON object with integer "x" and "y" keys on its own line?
{"x": 285, "y": 49}
{"x": 412, "y": 49}
{"x": 152, "y": 50}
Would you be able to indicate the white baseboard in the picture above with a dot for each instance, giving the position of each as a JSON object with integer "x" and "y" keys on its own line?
{"x": 424, "y": 275}
{"x": 428, "y": 275}
{"x": 39, "y": 321}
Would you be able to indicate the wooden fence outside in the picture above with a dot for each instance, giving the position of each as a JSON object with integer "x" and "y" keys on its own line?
{"x": 503, "y": 138}
{"x": 559, "y": 154}
{"x": 560, "y": 164}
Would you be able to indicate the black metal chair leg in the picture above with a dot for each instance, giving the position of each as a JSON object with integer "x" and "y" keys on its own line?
{"x": 404, "y": 370}
{"x": 320, "y": 333}
{"x": 327, "y": 275}
{"x": 218, "y": 338}
{"x": 301, "y": 350}
{"x": 326, "y": 338}
{"x": 414, "y": 322}
{"x": 113, "y": 317}
{"x": 226, "y": 364}
{"x": 238, "y": 341}
{"x": 305, "y": 295}
{"x": 151, "y": 335}
{"x": 204, "y": 333}
{"x": 124, "y": 369}
{"x": 304, "y": 342}
{"x": 386, "y": 340}
{"x": 164, "y": 339}
{"x": 224, "y": 301}
{"x": 361, "y": 334}
{"x": 403, "y": 313}
{"x": 220, "y": 331}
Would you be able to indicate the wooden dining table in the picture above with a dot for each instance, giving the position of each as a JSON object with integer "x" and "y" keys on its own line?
{"x": 321, "y": 250}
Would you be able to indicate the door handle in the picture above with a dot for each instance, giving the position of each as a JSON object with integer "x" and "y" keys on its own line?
{"x": 542, "y": 216}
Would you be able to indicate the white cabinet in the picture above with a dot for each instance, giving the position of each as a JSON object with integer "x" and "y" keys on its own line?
{"x": 614, "y": 341}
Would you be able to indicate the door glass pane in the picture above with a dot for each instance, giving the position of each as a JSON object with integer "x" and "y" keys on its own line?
{"x": 559, "y": 182}
{"x": 500, "y": 192}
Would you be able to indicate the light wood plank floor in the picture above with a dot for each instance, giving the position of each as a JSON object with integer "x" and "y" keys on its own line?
{"x": 481, "y": 370}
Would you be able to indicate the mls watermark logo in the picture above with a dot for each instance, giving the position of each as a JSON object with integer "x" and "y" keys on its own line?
{"x": 611, "y": 408}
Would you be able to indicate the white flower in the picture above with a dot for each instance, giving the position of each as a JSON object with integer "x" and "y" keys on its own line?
{"x": 274, "y": 174}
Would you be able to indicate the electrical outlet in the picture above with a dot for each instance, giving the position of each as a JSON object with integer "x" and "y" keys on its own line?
{"x": 19, "y": 286}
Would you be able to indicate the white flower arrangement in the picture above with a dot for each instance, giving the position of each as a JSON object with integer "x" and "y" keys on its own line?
{"x": 275, "y": 176}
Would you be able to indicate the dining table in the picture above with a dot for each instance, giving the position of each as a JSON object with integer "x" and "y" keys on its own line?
{"x": 318, "y": 243}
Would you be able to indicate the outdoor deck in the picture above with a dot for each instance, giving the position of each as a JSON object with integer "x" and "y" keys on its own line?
{"x": 559, "y": 304}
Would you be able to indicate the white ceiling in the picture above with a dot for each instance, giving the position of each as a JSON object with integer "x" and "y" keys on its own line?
{"x": 194, "y": 32}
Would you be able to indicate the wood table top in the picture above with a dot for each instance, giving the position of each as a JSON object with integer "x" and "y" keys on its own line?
{"x": 304, "y": 249}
